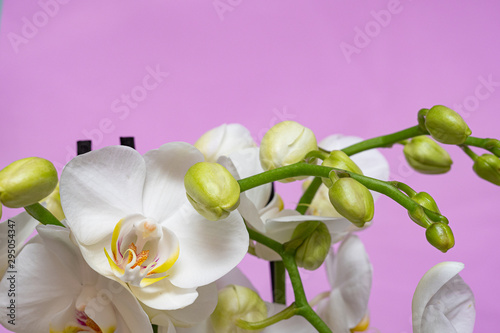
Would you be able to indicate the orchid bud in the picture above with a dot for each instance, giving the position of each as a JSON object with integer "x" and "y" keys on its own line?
{"x": 237, "y": 303}
{"x": 53, "y": 204}
{"x": 352, "y": 200}
{"x": 339, "y": 160}
{"x": 487, "y": 166}
{"x": 212, "y": 190}
{"x": 27, "y": 181}
{"x": 426, "y": 156}
{"x": 446, "y": 126}
{"x": 286, "y": 143}
{"x": 440, "y": 236}
{"x": 314, "y": 248}
{"x": 425, "y": 200}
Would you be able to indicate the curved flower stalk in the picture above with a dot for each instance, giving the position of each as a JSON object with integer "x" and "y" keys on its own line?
{"x": 350, "y": 276}
{"x": 224, "y": 140}
{"x": 269, "y": 218}
{"x": 61, "y": 293}
{"x": 133, "y": 223}
{"x": 371, "y": 162}
{"x": 16, "y": 229}
{"x": 443, "y": 302}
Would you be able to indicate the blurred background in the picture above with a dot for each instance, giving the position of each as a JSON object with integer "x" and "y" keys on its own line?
{"x": 170, "y": 70}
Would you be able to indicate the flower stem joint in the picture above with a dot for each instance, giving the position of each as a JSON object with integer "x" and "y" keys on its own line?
{"x": 426, "y": 156}
{"x": 212, "y": 190}
{"x": 446, "y": 126}
{"x": 27, "y": 181}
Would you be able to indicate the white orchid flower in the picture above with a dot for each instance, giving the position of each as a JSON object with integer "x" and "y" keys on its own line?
{"x": 224, "y": 140}
{"x": 269, "y": 218}
{"x": 371, "y": 162}
{"x": 131, "y": 219}
{"x": 443, "y": 302}
{"x": 13, "y": 234}
{"x": 350, "y": 276}
{"x": 58, "y": 292}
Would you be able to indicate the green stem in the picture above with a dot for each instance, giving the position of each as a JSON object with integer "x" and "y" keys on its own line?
{"x": 492, "y": 145}
{"x": 316, "y": 154}
{"x": 405, "y": 188}
{"x": 469, "y": 152}
{"x": 155, "y": 328}
{"x": 308, "y": 195}
{"x": 287, "y": 313}
{"x": 278, "y": 282}
{"x": 42, "y": 214}
{"x": 384, "y": 140}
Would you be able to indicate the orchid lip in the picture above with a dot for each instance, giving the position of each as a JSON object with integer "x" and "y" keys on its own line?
{"x": 142, "y": 250}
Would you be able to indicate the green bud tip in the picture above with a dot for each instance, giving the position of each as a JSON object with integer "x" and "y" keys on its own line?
{"x": 212, "y": 190}
{"x": 487, "y": 166}
{"x": 237, "y": 303}
{"x": 286, "y": 143}
{"x": 27, "y": 181}
{"x": 426, "y": 156}
{"x": 339, "y": 160}
{"x": 352, "y": 200}
{"x": 446, "y": 126}
{"x": 314, "y": 248}
{"x": 440, "y": 236}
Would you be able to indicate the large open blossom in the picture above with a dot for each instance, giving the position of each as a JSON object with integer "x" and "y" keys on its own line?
{"x": 133, "y": 223}
{"x": 56, "y": 291}
{"x": 350, "y": 276}
{"x": 443, "y": 302}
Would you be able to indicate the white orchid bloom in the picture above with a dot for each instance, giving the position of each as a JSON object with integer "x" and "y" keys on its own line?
{"x": 371, "y": 162}
{"x": 224, "y": 140}
{"x": 350, "y": 276}
{"x": 269, "y": 218}
{"x": 13, "y": 233}
{"x": 58, "y": 292}
{"x": 443, "y": 302}
{"x": 131, "y": 218}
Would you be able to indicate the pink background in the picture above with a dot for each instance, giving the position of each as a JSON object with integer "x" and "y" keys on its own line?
{"x": 260, "y": 62}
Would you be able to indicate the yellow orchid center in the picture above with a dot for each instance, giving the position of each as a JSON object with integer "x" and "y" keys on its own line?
{"x": 142, "y": 251}
{"x": 362, "y": 325}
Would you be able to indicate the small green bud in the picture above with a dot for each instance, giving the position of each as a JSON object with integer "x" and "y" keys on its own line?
{"x": 339, "y": 160}
{"x": 352, "y": 200}
{"x": 440, "y": 236}
{"x": 53, "y": 204}
{"x": 27, "y": 181}
{"x": 237, "y": 303}
{"x": 314, "y": 248}
{"x": 446, "y": 126}
{"x": 286, "y": 143}
{"x": 487, "y": 166}
{"x": 424, "y": 199}
{"x": 426, "y": 156}
{"x": 212, "y": 190}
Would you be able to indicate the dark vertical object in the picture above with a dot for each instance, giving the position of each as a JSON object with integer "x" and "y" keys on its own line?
{"x": 83, "y": 147}
{"x": 127, "y": 141}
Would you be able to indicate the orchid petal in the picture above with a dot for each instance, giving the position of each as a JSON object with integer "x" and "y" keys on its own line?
{"x": 163, "y": 295}
{"x": 224, "y": 140}
{"x": 209, "y": 249}
{"x": 166, "y": 167}
{"x": 443, "y": 299}
{"x": 236, "y": 277}
{"x": 101, "y": 187}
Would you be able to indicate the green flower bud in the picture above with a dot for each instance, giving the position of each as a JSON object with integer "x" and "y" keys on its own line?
{"x": 426, "y": 156}
{"x": 352, "y": 200}
{"x": 487, "y": 166}
{"x": 446, "y": 126}
{"x": 27, "y": 181}
{"x": 212, "y": 190}
{"x": 314, "y": 248}
{"x": 286, "y": 143}
{"x": 237, "y": 303}
{"x": 424, "y": 199}
{"x": 53, "y": 204}
{"x": 339, "y": 160}
{"x": 440, "y": 236}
